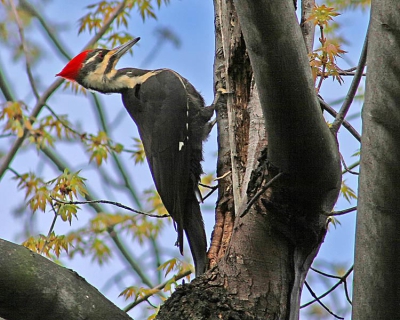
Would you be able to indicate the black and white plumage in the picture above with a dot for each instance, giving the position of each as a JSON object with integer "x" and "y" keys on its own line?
{"x": 172, "y": 121}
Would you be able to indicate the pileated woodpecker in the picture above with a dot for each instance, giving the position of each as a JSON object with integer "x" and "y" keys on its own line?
{"x": 172, "y": 121}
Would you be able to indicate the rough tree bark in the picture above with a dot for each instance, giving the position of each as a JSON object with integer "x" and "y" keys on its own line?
{"x": 34, "y": 288}
{"x": 376, "y": 271}
{"x": 259, "y": 272}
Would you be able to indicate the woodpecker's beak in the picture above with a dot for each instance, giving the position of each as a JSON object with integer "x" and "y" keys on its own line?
{"x": 118, "y": 52}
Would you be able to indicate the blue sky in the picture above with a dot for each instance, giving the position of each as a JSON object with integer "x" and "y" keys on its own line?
{"x": 192, "y": 21}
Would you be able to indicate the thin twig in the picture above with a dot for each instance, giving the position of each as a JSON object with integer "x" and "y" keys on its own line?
{"x": 352, "y": 166}
{"x": 223, "y": 176}
{"x": 324, "y": 58}
{"x": 325, "y": 274}
{"x": 346, "y": 169}
{"x": 259, "y": 193}
{"x": 5, "y": 86}
{"x": 24, "y": 49}
{"x": 117, "y": 204}
{"x": 155, "y": 289}
{"x": 350, "y": 69}
{"x": 345, "y": 73}
{"x": 210, "y": 193}
{"x": 352, "y": 90}
{"x": 346, "y": 292}
{"x": 15, "y": 172}
{"x": 340, "y": 213}
{"x": 53, "y": 223}
{"x": 6, "y": 135}
{"x": 346, "y": 124}
{"x": 320, "y": 302}
{"x": 342, "y": 279}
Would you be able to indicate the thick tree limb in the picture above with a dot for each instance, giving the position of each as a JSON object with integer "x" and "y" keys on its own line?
{"x": 33, "y": 287}
{"x": 300, "y": 143}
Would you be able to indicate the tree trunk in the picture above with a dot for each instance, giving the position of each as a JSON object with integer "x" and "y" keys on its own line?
{"x": 377, "y": 260}
{"x": 265, "y": 237}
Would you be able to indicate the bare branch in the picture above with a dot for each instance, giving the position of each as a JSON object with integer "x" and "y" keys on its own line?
{"x": 24, "y": 49}
{"x": 53, "y": 223}
{"x": 346, "y": 169}
{"x": 325, "y": 274}
{"x": 320, "y": 302}
{"x": 342, "y": 212}
{"x": 347, "y": 125}
{"x": 342, "y": 280}
{"x": 351, "y": 167}
{"x": 117, "y": 204}
{"x": 352, "y": 90}
{"x": 4, "y": 86}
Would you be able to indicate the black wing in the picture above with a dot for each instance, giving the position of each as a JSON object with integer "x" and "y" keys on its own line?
{"x": 171, "y": 118}
{"x": 159, "y": 106}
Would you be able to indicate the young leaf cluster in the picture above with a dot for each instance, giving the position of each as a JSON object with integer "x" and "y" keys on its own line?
{"x": 323, "y": 60}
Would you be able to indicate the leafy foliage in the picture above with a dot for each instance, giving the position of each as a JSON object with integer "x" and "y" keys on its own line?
{"x": 347, "y": 192}
{"x": 323, "y": 60}
{"x": 13, "y": 112}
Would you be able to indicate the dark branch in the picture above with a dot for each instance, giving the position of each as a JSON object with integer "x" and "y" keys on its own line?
{"x": 352, "y": 90}
{"x": 114, "y": 204}
{"x": 339, "y": 213}
{"x": 346, "y": 169}
{"x": 347, "y": 125}
{"x": 341, "y": 280}
{"x": 320, "y": 302}
{"x": 325, "y": 274}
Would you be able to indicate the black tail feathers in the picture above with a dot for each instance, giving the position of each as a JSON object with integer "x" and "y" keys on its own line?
{"x": 195, "y": 233}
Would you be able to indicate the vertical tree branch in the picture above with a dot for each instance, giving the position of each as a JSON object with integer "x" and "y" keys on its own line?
{"x": 307, "y": 27}
{"x": 223, "y": 10}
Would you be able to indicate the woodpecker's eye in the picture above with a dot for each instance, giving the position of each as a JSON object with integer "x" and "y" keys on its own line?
{"x": 100, "y": 55}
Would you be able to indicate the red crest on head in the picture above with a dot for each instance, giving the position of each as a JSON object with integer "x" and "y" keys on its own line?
{"x": 71, "y": 70}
